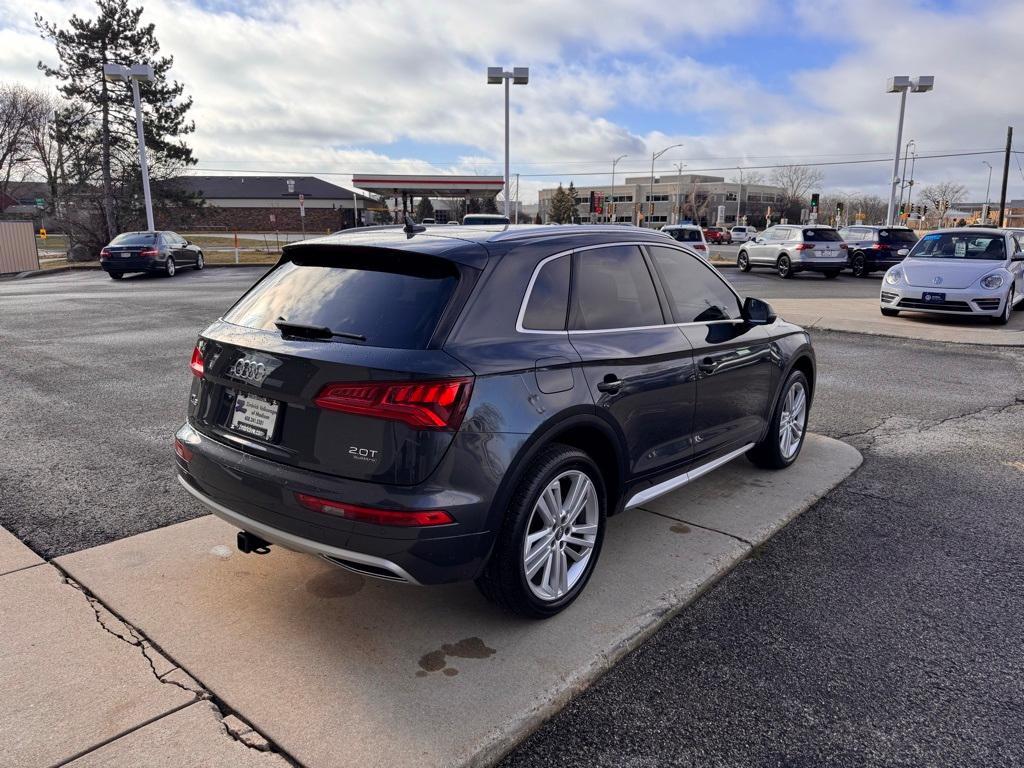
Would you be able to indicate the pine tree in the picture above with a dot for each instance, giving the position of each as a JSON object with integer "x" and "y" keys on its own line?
{"x": 106, "y": 112}
{"x": 562, "y": 207}
{"x": 424, "y": 209}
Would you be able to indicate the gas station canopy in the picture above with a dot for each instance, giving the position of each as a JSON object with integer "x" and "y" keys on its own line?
{"x": 435, "y": 185}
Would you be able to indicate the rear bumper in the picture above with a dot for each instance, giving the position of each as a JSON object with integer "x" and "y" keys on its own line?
{"x": 811, "y": 264}
{"x": 132, "y": 265}
{"x": 258, "y": 495}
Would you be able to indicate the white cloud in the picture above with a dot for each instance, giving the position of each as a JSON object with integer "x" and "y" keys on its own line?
{"x": 297, "y": 87}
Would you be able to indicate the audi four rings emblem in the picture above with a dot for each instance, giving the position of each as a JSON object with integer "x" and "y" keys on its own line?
{"x": 246, "y": 368}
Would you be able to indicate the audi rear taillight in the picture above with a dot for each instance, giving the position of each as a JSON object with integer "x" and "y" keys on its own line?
{"x": 420, "y": 404}
{"x": 879, "y": 247}
{"x": 804, "y": 247}
{"x": 196, "y": 366}
{"x": 402, "y": 518}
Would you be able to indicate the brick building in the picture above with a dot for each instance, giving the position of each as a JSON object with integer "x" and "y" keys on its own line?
{"x": 266, "y": 203}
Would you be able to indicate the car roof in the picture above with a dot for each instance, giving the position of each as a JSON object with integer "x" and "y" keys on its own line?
{"x": 472, "y": 244}
{"x": 680, "y": 226}
{"x": 969, "y": 230}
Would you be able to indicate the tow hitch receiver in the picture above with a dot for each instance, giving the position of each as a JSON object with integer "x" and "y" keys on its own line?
{"x": 250, "y": 543}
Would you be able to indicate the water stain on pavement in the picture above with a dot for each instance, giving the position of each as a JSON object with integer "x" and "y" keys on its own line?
{"x": 468, "y": 648}
{"x": 680, "y": 528}
{"x": 335, "y": 583}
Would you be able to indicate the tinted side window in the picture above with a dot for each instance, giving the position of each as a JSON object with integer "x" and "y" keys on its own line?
{"x": 695, "y": 293}
{"x": 549, "y": 299}
{"x": 613, "y": 289}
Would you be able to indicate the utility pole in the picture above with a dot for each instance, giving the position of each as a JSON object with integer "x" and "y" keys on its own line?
{"x": 679, "y": 192}
{"x": 903, "y": 179}
{"x": 739, "y": 196}
{"x": 1006, "y": 171}
{"x": 611, "y": 211}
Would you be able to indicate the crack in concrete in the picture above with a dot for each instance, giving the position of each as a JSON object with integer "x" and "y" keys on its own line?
{"x": 698, "y": 525}
{"x": 244, "y": 733}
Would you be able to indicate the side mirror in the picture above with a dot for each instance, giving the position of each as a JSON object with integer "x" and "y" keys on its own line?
{"x": 758, "y": 312}
{"x": 903, "y": 252}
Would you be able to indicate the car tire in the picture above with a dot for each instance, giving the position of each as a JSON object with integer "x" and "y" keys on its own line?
{"x": 200, "y": 261}
{"x": 859, "y": 265}
{"x": 890, "y": 312}
{"x": 831, "y": 274}
{"x": 507, "y": 579}
{"x": 116, "y": 275}
{"x": 784, "y": 267}
{"x": 743, "y": 261}
{"x": 169, "y": 268}
{"x": 1004, "y": 317}
{"x": 775, "y": 451}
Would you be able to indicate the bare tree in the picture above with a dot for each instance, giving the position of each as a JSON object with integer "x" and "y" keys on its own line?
{"x": 747, "y": 178}
{"x": 943, "y": 196}
{"x": 21, "y": 109}
{"x": 797, "y": 181}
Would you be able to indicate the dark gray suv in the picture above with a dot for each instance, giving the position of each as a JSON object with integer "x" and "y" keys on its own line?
{"x": 428, "y": 405}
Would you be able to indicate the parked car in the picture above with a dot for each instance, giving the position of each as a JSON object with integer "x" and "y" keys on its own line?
{"x": 428, "y": 221}
{"x": 872, "y": 248}
{"x": 691, "y": 234}
{"x": 427, "y": 408}
{"x": 161, "y": 252}
{"x": 742, "y": 233}
{"x": 961, "y": 271}
{"x": 717, "y": 235}
{"x": 793, "y": 248}
{"x": 477, "y": 219}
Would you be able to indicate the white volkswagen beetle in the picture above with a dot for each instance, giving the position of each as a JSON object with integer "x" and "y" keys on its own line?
{"x": 963, "y": 271}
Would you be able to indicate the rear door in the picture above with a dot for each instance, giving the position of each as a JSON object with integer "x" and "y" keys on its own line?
{"x": 764, "y": 250}
{"x": 379, "y": 402}
{"x": 637, "y": 364}
{"x": 734, "y": 360}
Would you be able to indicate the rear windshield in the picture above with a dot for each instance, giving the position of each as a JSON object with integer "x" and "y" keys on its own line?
{"x": 686, "y": 235}
{"x": 822, "y": 235}
{"x": 960, "y": 245}
{"x": 394, "y": 299}
{"x": 134, "y": 238}
{"x": 901, "y": 236}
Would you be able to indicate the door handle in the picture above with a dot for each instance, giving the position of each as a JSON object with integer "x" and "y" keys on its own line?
{"x": 707, "y": 365}
{"x": 610, "y": 385}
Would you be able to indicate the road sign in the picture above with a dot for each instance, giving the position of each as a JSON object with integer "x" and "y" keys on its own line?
{"x": 42, "y": 233}
{"x": 302, "y": 205}
{"x": 40, "y": 203}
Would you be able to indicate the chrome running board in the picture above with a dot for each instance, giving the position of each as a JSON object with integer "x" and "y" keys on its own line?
{"x": 679, "y": 481}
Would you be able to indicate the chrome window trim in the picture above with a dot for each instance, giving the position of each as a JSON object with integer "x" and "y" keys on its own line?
{"x": 673, "y": 244}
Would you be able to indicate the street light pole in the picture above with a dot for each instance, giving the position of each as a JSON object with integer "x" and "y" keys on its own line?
{"x": 679, "y": 191}
{"x": 988, "y": 188}
{"x": 133, "y": 74}
{"x": 901, "y": 84}
{"x": 518, "y": 76}
{"x": 903, "y": 179}
{"x": 655, "y": 156}
{"x": 612, "y": 208}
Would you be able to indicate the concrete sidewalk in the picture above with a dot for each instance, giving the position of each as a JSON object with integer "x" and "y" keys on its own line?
{"x": 864, "y": 316}
{"x": 338, "y": 670}
{"x": 80, "y": 687}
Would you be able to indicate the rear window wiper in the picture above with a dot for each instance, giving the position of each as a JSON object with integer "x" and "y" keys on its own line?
{"x": 304, "y": 331}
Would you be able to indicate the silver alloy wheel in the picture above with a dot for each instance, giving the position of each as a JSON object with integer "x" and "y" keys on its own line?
{"x": 560, "y": 535}
{"x": 200, "y": 263}
{"x": 170, "y": 267}
{"x": 1008, "y": 309}
{"x": 791, "y": 423}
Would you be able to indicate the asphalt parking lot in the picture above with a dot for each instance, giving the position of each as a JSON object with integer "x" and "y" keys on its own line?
{"x": 880, "y": 628}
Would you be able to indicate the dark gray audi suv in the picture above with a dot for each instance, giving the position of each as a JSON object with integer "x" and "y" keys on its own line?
{"x": 428, "y": 404}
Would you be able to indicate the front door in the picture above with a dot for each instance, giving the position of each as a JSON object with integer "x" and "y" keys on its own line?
{"x": 734, "y": 360}
{"x": 636, "y": 362}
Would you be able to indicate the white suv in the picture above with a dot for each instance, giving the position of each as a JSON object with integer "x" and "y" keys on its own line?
{"x": 688, "y": 234}
{"x": 740, "y": 233}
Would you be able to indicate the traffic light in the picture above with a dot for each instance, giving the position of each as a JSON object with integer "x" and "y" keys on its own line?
{"x": 814, "y": 201}
{"x": 903, "y": 209}
{"x": 839, "y": 207}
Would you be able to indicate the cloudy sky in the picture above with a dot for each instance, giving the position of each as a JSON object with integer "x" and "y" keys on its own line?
{"x": 331, "y": 88}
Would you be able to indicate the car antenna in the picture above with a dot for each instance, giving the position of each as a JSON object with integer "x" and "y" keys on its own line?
{"x": 411, "y": 227}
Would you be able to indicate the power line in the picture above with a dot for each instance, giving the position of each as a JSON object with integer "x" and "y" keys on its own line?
{"x": 644, "y": 171}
